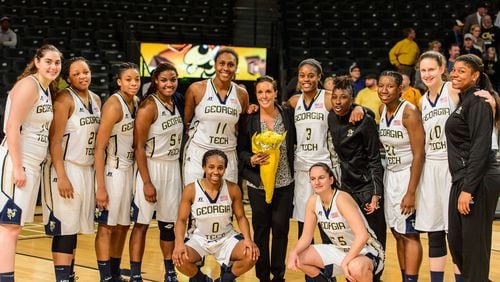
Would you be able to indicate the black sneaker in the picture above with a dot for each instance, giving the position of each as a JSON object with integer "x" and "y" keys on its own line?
{"x": 135, "y": 278}
{"x": 171, "y": 276}
{"x": 207, "y": 279}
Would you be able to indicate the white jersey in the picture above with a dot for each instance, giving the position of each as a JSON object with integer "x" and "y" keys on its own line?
{"x": 212, "y": 218}
{"x": 311, "y": 124}
{"x": 165, "y": 134}
{"x": 34, "y": 129}
{"x": 395, "y": 138}
{"x": 81, "y": 130}
{"x": 214, "y": 121}
{"x": 338, "y": 230}
{"x": 120, "y": 151}
{"x": 434, "y": 116}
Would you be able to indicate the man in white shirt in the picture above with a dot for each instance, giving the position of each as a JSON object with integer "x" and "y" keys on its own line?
{"x": 8, "y": 37}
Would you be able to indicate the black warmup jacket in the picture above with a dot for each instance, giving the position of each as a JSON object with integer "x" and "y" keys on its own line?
{"x": 358, "y": 148}
{"x": 250, "y": 124}
{"x": 468, "y": 134}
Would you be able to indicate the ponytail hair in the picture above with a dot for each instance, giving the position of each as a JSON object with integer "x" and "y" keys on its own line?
{"x": 328, "y": 170}
{"x": 483, "y": 82}
{"x": 398, "y": 77}
{"x": 122, "y": 67}
{"x": 67, "y": 65}
{"x": 153, "y": 87}
{"x": 440, "y": 60}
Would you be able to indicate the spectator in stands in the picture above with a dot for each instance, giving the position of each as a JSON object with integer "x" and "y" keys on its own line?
{"x": 410, "y": 94}
{"x": 455, "y": 36}
{"x": 475, "y": 18}
{"x": 329, "y": 83}
{"x": 8, "y": 37}
{"x": 368, "y": 96}
{"x": 358, "y": 81}
{"x": 492, "y": 66}
{"x": 468, "y": 47}
{"x": 497, "y": 20}
{"x": 489, "y": 32}
{"x": 405, "y": 53}
{"x": 435, "y": 45}
{"x": 475, "y": 30}
{"x": 453, "y": 53}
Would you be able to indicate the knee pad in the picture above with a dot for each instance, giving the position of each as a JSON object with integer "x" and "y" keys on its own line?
{"x": 166, "y": 231}
{"x": 64, "y": 244}
{"x": 437, "y": 244}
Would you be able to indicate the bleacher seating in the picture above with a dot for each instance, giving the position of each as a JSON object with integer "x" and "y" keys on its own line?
{"x": 337, "y": 32}
{"x": 99, "y": 30}
{"x": 361, "y": 30}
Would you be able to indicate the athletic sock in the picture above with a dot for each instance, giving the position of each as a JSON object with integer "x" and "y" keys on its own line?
{"x": 62, "y": 272}
{"x": 309, "y": 279}
{"x": 328, "y": 270}
{"x": 459, "y": 278}
{"x": 199, "y": 276}
{"x": 104, "y": 270}
{"x": 169, "y": 265}
{"x": 114, "y": 264}
{"x": 319, "y": 278}
{"x": 437, "y": 276}
{"x": 7, "y": 276}
{"x": 227, "y": 276}
{"x": 403, "y": 275}
{"x": 135, "y": 271}
{"x": 72, "y": 270}
{"x": 411, "y": 278}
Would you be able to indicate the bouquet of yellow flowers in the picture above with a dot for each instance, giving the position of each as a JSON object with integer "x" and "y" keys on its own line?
{"x": 268, "y": 142}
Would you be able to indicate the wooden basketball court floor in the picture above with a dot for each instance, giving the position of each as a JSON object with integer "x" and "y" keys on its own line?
{"x": 33, "y": 259}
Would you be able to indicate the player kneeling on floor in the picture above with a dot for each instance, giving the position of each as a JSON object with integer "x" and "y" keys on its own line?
{"x": 212, "y": 201}
{"x": 354, "y": 251}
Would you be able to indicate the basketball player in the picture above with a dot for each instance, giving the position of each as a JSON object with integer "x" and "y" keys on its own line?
{"x": 115, "y": 174}
{"x": 432, "y": 200}
{"x": 212, "y": 202}
{"x": 28, "y": 115}
{"x": 311, "y": 123}
{"x": 437, "y": 104}
{"x": 402, "y": 134}
{"x": 69, "y": 188}
{"x": 212, "y": 110}
{"x": 157, "y": 138}
{"x": 354, "y": 250}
